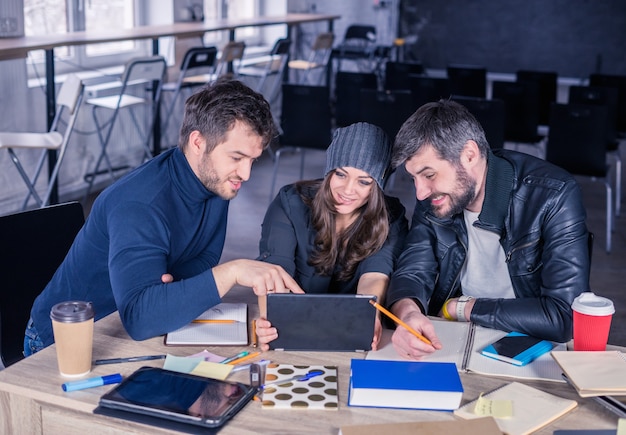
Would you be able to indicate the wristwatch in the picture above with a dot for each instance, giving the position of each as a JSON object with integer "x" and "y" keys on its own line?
{"x": 460, "y": 308}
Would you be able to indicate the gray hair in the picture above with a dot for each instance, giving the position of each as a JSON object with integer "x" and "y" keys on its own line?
{"x": 444, "y": 125}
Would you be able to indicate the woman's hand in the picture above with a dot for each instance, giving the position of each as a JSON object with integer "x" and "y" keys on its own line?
{"x": 378, "y": 332}
{"x": 265, "y": 333}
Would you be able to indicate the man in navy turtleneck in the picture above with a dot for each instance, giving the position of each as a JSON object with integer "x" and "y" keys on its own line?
{"x": 152, "y": 242}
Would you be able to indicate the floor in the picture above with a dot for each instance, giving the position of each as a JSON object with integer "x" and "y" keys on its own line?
{"x": 608, "y": 271}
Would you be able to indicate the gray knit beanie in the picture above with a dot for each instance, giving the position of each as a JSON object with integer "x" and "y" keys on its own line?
{"x": 362, "y": 146}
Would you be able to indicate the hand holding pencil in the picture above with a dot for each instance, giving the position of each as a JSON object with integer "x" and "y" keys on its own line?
{"x": 406, "y": 346}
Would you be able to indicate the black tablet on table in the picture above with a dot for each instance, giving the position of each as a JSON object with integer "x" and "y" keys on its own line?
{"x": 321, "y": 322}
{"x": 180, "y": 398}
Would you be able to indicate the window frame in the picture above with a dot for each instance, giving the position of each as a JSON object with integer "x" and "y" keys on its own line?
{"x": 77, "y": 58}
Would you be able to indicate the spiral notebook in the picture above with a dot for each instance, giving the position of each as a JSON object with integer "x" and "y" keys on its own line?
{"x": 233, "y": 332}
{"x": 463, "y": 343}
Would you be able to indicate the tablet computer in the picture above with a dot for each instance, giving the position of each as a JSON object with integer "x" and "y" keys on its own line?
{"x": 321, "y": 322}
{"x": 178, "y": 397}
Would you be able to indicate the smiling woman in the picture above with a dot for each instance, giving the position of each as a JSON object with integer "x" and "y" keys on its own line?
{"x": 339, "y": 234}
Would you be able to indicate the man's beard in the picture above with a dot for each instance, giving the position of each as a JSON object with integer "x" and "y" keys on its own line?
{"x": 466, "y": 185}
{"x": 211, "y": 180}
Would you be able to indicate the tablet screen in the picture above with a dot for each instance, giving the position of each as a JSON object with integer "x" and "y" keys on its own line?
{"x": 179, "y": 396}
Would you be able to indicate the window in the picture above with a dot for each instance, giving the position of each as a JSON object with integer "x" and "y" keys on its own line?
{"x": 59, "y": 16}
{"x": 43, "y": 17}
{"x": 216, "y": 9}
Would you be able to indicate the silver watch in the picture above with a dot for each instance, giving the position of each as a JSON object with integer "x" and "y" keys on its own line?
{"x": 460, "y": 308}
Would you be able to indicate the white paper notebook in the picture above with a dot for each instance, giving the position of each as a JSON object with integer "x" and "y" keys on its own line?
{"x": 234, "y": 333}
{"x": 594, "y": 373}
{"x": 531, "y": 408}
{"x": 462, "y": 343}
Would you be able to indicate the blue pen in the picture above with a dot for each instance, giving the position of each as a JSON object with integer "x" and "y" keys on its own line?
{"x": 92, "y": 382}
{"x": 234, "y": 357}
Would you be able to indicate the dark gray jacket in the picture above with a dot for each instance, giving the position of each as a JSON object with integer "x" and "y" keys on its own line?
{"x": 287, "y": 239}
{"x": 537, "y": 210}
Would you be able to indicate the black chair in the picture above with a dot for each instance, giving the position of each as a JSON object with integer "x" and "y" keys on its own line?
{"x": 604, "y": 96}
{"x": 305, "y": 122}
{"x": 618, "y": 82}
{"x": 427, "y": 89}
{"x": 271, "y": 65}
{"x": 358, "y": 45}
{"x": 397, "y": 74}
{"x": 34, "y": 243}
{"x": 491, "y": 116}
{"x": 546, "y": 82}
{"x": 348, "y": 87}
{"x": 467, "y": 80}
{"x": 196, "y": 69}
{"x": 577, "y": 143}
{"x": 386, "y": 109}
{"x": 521, "y": 100}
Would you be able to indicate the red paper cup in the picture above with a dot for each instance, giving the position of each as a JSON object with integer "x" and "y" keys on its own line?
{"x": 592, "y": 321}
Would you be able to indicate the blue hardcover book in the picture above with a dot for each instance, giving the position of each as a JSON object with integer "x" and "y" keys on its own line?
{"x": 405, "y": 384}
{"x": 517, "y": 348}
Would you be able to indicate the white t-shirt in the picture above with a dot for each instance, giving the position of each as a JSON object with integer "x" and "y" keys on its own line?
{"x": 485, "y": 273}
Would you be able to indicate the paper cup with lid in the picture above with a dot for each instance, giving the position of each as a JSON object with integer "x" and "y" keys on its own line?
{"x": 72, "y": 325}
{"x": 592, "y": 316}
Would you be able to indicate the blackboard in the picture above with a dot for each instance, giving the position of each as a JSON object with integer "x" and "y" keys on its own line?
{"x": 571, "y": 37}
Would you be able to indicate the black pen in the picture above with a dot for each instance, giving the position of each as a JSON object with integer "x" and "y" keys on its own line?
{"x": 130, "y": 359}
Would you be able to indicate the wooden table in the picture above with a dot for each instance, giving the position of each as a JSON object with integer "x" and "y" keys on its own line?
{"x": 32, "y": 401}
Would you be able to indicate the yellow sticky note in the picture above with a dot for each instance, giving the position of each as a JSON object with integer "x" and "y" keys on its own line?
{"x": 180, "y": 363}
{"x": 213, "y": 370}
{"x": 494, "y": 408}
{"x": 621, "y": 426}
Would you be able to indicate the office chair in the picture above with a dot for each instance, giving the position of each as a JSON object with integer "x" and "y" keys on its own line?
{"x": 577, "y": 143}
{"x": 467, "y": 80}
{"x": 272, "y": 65}
{"x": 386, "y": 109}
{"x": 305, "y": 121}
{"x": 318, "y": 59}
{"x": 599, "y": 95}
{"x": 397, "y": 74}
{"x": 491, "y": 116}
{"x": 147, "y": 73}
{"x": 348, "y": 87}
{"x": 618, "y": 82}
{"x": 229, "y": 59}
{"x": 521, "y": 100}
{"x": 546, "y": 87}
{"x": 197, "y": 61}
{"x": 358, "y": 45}
{"x": 56, "y": 139}
{"x": 427, "y": 89}
{"x": 34, "y": 243}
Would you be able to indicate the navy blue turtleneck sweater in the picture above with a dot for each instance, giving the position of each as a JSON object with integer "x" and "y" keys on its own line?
{"x": 157, "y": 219}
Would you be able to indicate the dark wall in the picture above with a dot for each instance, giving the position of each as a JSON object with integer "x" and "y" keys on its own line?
{"x": 571, "y": 37}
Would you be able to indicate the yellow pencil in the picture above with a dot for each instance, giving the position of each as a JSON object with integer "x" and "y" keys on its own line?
{"x": 400, "y": 322}
{"x": 212, "y": 321}
{"x": 244, "y": 358}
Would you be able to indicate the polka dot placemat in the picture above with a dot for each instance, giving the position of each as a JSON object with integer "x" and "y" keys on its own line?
{"x": 318, "y": 392}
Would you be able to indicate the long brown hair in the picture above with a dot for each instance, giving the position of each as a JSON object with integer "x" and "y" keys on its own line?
{"x": 364, "y": 237}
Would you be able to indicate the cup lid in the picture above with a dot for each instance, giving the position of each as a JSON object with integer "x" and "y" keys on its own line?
{"x": 72, "y": 311}
{"x": 593, "y": 305}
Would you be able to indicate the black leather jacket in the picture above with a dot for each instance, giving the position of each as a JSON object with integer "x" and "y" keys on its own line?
{"x": 537, "y": 209}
